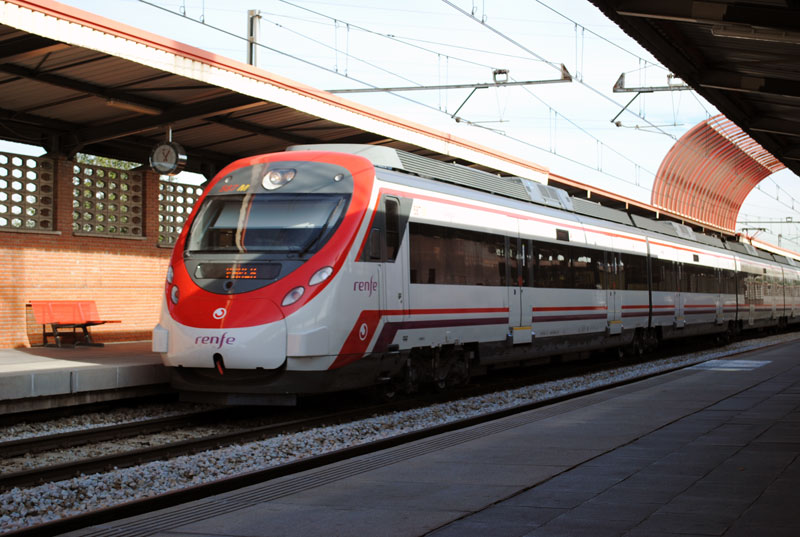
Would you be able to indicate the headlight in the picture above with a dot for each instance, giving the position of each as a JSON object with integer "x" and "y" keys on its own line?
{"x": 293, "y": 296}
{"x": 174, "y": 294}
{"x": 170, "y": 274}
{"x": 277, "y": 178}
{"x": 321, "y": 275}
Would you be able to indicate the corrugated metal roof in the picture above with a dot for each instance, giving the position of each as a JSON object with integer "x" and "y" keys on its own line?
{"x": 709, "y": 240}
{"x": 510, "y": 187}
{"x": 590, "y": 208}
{"x": 709, "y": 172}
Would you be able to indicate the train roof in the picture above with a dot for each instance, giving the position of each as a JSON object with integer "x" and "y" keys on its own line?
{"x": 527, "y": 190}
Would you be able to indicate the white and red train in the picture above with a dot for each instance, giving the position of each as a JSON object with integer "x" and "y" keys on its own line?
{"x": 330, "y": 268}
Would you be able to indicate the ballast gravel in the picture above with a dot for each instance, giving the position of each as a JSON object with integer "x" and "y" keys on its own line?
{"x": 93, "y": 420}
{"x": 29, "y": 506}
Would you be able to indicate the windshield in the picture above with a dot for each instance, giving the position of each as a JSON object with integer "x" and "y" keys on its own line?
{"x": 265, "y": 222}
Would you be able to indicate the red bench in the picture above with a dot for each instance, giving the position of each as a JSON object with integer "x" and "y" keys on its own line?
{"x": 66, "y": 315}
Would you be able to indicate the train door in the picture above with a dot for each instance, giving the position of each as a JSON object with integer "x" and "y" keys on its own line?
{"x": 394, "y": 268}
{"x": 720, "y": 299}
{"x": 614, "y": 280}
{"x": 516, "y": 265}
{"x": 680, "y": 296}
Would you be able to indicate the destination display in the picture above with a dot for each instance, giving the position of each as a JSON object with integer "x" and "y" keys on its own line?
{"x": 243, "y": 271}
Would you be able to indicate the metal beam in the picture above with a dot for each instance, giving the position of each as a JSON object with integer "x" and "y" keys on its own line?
{"x": 619, "y": 86}
{"x": 776, "y": 126}
{"x": 32, "y": 129}
{"x": 713, "y": 12}
{"x": 726, "y": 80}
{"x": 282, "y": 133}
{"x": 565, "y": 77}
{"x": 172, "y": 114}
{"x": 113, "y": 97}
{"x": 792, "y": 153}
{"x": 28, "y": 46}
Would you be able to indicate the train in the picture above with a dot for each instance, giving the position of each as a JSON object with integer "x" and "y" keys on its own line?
{"x": 339, "y": 267}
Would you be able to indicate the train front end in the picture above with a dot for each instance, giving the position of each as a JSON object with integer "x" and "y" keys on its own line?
{"x": 253, "y": 278}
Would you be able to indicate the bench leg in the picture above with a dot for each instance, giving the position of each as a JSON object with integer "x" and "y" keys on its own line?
{"x": 87, "y": 339}
{"x": 56, "y": 337}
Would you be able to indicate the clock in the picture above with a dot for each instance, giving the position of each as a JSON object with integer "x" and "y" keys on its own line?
{"x": 168, "y": 158}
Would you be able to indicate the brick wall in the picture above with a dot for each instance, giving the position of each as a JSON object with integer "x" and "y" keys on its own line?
{"x": 125, "y": 276}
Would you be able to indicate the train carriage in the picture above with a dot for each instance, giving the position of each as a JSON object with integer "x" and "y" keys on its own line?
{"x": 337, "y": 267}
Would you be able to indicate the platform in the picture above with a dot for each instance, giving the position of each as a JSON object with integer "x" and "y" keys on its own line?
{"x": 44, "y": 377}
{"x": 710, "y": 450}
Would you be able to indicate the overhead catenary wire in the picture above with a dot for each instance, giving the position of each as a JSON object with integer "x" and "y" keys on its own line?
{"x": 553, "y": 65}
{"x": 612, "y": 43}
{"x": 448, "y": 57}
{"x": 286, "y": 54}
{"x": 600, "y": 143}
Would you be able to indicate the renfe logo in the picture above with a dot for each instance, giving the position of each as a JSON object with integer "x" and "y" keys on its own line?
{"x": 217, "y": 341}
{"x": 364, "y": 287}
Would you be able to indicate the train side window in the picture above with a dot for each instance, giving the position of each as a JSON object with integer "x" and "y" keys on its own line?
{"x": 527, "y": 263}
{"x": 388, "y": 229}
{"x": 551, "y": 266}
{"x": 584, "y": 265}
{"x": 374, "y": 245}
{"x": 392, "y": 228}
{"x": 664, "y": 273}
{"x": 450, "y": 256}
{"x": 511, "y": 275}
{"x": 699, "y": 279}
{"x": 635, "y": 272}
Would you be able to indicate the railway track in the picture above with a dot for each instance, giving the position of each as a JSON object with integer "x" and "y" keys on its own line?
{"x": 296, "y": 421}
{"x": 150, "y": 505}
{"x": 231, "y": 483}
{"x": 38, "y": 444}
{"x": 54, "y": 413}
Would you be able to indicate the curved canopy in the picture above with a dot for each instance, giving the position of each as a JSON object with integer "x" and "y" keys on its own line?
{"x": 709, "y": 172}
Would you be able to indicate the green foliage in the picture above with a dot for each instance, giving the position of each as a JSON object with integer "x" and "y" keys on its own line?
{"x": 94, "y": 160}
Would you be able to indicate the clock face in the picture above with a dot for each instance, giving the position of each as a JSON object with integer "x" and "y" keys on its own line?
{"x": 167, "y": 158}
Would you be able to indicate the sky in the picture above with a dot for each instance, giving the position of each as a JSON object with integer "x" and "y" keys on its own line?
{"x": 566, "y": 127}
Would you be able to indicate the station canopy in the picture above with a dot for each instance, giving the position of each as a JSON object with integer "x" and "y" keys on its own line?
{"x": 741, "y": 56}
{"x": 72, "y": 82}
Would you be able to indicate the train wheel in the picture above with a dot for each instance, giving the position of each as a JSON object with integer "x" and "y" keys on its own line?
{"x": 450, "y": 368}
{"x": 460, "y": 373}
{"x": 412, "y": 376}
{"x": 388, "y": 391}
{"x": 637, "y": 347}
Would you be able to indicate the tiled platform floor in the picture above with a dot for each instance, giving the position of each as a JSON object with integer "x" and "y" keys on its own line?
{"x": 711, "y": 450}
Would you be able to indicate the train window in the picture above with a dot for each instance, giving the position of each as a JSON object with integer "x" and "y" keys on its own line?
{"x": 392, "y": 228}
{"x": 699, "y": 279}
{"x": 373, "y": 252}
{"x": 635, "y": 272}
{"x": 586, "y": 265}
{"x": 266, "y": 223}
{"x": 527, "y": 263}
{"x": 728, "y": 281}
{"x": 562, "y": 235}
{"x": 389, "y": 223}
{"x": 664, "y": 275}
{"x": 551, "y": 265}
{"x": 449, "y": 256}
{"x": 512, "y": 261}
